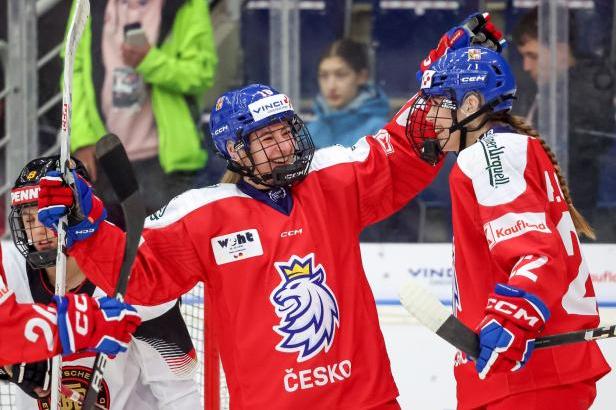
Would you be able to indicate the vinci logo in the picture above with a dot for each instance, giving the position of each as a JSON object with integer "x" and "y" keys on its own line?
{"x": 306, "y": 306}
{"x": 512, "y": 225}
{"x": 236, "y": 246}
{"x": 268, "y": 106}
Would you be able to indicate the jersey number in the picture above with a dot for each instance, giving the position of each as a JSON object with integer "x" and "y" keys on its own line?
{"x": 574, "y": 301}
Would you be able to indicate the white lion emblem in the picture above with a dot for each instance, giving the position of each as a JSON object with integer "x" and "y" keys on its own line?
{"x": 306, "y": 306}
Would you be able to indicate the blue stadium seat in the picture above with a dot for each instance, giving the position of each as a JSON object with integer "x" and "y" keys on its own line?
{"x": 404, "y": 32}
{"x": 321, "y": 22}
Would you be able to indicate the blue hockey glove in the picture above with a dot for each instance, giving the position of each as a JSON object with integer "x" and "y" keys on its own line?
{"x": 95, "y": 324}
{"x": 56, "y": 199}
{"x": 507, "y": 334}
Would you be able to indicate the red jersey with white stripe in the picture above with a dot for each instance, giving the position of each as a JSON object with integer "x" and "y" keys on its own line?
{"x": 296, "y": 318}
{"x": 511, "y": 225}
{"x": 29, "y": 330}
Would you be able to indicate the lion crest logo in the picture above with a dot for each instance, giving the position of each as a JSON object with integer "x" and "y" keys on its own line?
{"x": 306, "y": 306}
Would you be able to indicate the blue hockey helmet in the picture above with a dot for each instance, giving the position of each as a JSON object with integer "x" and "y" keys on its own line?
{"x": 471, "y": 69}
{"x": 238, "y": 113}
{"x": 455, "y": 75}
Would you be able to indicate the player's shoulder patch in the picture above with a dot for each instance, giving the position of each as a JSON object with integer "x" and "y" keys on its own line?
{"x": 496, "y": 165}
{"x": 189, "y": 201}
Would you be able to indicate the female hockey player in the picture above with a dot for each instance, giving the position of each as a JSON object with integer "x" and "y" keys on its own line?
{"x": 519, "y": 271}
{"x": 277, "y": 247}
{"x": 149, "y": 375}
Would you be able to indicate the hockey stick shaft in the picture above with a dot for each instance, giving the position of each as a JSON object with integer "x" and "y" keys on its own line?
{"x": 429, "y": 311}
{"x": 114, "y": 163}
{"x": 80, "y": 17}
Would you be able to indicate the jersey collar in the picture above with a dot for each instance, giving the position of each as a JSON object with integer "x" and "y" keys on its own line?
{"x": 278, "y": 198}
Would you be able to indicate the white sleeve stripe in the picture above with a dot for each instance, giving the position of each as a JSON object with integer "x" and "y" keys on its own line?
{"x": 337, "y": 154}
{"x": 189, "y": 201}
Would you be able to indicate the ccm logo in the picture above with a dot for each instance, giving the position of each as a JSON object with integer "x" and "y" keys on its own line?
{"x": 473, "y": 79}
{"x": 512, "y": 310}
{"x": 291, "y": 233}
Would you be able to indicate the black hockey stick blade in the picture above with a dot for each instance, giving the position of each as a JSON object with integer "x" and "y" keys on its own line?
{"x": 429, "y": 311}
{"x": 114, "y": 163}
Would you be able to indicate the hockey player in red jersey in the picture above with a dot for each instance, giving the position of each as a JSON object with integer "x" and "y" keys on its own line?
{"x": 277, "y": 245}
{"x": 519, "y": 270}
{"x": 142, "y": 378}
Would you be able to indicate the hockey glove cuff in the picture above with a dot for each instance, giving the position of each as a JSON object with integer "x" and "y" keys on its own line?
{"x": 34, "y": 379}
{"x": 102, "y": 324}
{"x": 507, "y": 334}
{"x": 57, "y": 199}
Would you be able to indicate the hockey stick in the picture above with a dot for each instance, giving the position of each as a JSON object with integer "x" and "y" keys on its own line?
{"x": 80, "y": 17}
{"x": 115, "y": 165}
{"x": 427, "y": 309}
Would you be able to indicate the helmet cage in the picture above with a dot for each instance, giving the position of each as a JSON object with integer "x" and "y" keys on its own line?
{"x": 421, "y": 125}
{"x": 28, "y": 235}
{"x": 292, "y": 170}
{"x": 23, "y": 235}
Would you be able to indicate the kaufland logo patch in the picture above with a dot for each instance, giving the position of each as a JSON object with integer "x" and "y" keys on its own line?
{"x": 269, "y": 106}
{"x": 24, "y": 195}
{"x": 512, "y": 225}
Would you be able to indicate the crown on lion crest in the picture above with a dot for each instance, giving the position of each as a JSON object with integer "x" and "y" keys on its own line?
{"x": 296, "y": 269}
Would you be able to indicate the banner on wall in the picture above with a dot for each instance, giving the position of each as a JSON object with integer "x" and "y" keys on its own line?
{"x": 389, "y": 265}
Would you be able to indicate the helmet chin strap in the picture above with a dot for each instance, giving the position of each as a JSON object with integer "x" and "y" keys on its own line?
{"x": 461, "y": 126}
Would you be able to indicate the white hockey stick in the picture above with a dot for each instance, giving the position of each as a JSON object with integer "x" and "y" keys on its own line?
{"x": 427, "y": 309}
{"x": 80, "y": 16}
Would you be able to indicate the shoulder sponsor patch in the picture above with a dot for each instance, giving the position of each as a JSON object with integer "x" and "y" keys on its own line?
{"x": 512, "y": 225}
{"x": 236, "y": 246}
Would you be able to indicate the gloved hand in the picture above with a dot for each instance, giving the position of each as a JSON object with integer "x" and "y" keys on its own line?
{"x": 33, "y": 378}
{"x": 95, "y": 324}
{"x": 477, "y": 29}
{"x": 507, "y": 334}
{"x": 56, "y": 199}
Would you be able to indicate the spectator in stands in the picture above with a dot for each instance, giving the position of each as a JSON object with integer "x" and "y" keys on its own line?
{"x": 347, "y": 105}
{"x": 144, "y": 87}
{"x": 591, "y": 109}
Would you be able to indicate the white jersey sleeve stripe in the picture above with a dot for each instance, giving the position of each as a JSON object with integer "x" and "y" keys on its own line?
{"x": 337, "y": 154}
{"x": 189, "y": 201}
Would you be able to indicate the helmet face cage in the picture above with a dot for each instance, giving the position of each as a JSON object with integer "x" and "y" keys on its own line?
{"x": 27, "y": 232}
{"x": 264, "y": 161}
{"x": 428, "y": 117}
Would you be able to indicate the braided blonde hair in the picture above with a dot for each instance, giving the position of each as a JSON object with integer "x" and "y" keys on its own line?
{"x": 230, "y": 177}
{"x": 581, "y": 224}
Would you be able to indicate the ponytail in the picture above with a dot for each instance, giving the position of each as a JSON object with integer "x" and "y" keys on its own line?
{"x": 581, "y": 224}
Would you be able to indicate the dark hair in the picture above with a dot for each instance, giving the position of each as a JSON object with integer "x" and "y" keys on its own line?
{"x": 528, "y": 29}
{"x": 353, "y": 53}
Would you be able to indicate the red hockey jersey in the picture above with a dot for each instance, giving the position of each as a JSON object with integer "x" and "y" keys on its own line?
{"x": 29, "y": 330}
{"x": 296, "y": 318}
{"x": 511, "y": 225}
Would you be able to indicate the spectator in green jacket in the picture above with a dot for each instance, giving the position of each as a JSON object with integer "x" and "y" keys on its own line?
{"x": 144, "y": 87}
